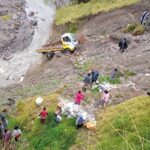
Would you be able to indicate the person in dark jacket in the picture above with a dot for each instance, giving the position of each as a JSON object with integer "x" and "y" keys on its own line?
{"x": 87, "y": 81}
{"x": 1, "y": 130}
{"x": 79, "y": 122}
{"x": 123, "y": 44}
{"x": 95, "y": 75}
{"x": 148, "y": 93}
{"x": 114, "y": 73}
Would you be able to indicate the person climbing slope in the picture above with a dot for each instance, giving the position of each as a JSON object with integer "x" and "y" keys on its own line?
{"x": 105, "y": 98}
{"x": 43, "y": 114}
{"x": 87, "y": 81}
{"x": 114, "y": 73}
{"x": 6, "y": 139}
{"x": 79, "y": 97}
{"x": 123, "y": 44}
{"x": 16, "y": 133}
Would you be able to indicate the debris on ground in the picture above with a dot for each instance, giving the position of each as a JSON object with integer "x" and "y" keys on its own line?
{"x": 72, "y": 110}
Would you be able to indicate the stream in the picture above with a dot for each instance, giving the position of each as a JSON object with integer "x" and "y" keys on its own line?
{"x": 14, "y": 70}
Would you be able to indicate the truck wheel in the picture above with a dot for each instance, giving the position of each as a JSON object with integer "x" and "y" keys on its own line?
{"x": 50, "y": 55}
{"x": 66, "y": 51}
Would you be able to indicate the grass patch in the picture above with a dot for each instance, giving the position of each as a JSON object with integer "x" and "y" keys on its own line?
{"x": 134, "y": 29}
{"x": 53, "y": 136}
{"x": 73, "y": 13}
{"x": 103, "y": 79}
{"x": 72, "y": 28}
{"x": 95, "y": 90}
{"x": 42, "y": 137}
{"x": 5, "y": 17}
{"x": 85, "y": 67}
{"x": 127, "y": 73}
{"x": 122, "y": 127}
{"x": 126, "y": 126}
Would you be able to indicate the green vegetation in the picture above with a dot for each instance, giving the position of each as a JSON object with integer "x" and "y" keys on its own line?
{"x": 128, "y": 73}
{"x": 85, "y": 67}
{"x": 134, "y": 29}
{"x": 72, "y": 28}
{"x": 5, "y": 17}
{"x": 73, "y": 13}
{"x": 121, "y": 127}
{"x": 53, "y": 136}
{"x": 109, "y": 80}
{"x": 42, "y": 137}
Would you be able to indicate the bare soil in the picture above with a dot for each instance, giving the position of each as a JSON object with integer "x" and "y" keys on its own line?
{"x": 16, "y": 31}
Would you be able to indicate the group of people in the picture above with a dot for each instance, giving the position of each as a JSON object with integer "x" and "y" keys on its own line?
{"x": 89, "y": 79}
{"x": 6, "y": 135}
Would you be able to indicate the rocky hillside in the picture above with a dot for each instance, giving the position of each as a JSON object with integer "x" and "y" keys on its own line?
{"x": 15, "y": 29}
{"x": 124, "y": 123}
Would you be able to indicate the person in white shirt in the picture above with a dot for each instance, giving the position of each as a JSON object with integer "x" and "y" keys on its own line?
{"x": 16, "y": 133}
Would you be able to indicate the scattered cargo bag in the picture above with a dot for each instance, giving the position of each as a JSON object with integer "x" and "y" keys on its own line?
{"x": 39, "y": 101}
{"x": 91, "y": 125}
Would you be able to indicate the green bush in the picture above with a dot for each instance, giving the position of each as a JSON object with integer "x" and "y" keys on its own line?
{"x": 72, "y": 28}
{"x": 138, "y": 30}
{"x": 134, "y": 29}
{"x": 130, "y": 27}
{"x": 109, "y": 80}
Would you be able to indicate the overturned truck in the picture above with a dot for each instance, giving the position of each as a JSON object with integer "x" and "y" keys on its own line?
{"x": 67, "y": 44}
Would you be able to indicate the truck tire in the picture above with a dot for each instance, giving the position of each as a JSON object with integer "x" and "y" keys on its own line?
{"x": 50, "y": 55}
{"x": 66, "y": 51}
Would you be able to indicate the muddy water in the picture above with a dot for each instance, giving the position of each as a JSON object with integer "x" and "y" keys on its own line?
{"x": 13, "y": 71}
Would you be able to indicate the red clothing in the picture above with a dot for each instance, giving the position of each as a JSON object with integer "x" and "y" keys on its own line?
{"x": 43, "y": 114}
{"x": 78, "y": 98}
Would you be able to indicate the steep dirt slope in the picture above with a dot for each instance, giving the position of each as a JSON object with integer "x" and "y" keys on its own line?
{"x": 101, "y": 52}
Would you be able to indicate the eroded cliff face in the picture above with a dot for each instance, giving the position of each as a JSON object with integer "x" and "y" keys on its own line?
{"x": 20, "y": 41}
{"x": 16, "y": 31}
